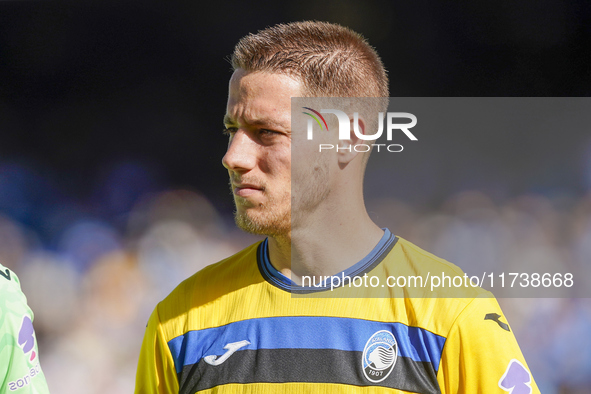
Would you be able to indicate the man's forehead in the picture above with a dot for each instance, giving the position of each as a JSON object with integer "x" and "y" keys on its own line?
{"x": 263, "y": 88}
{"x": 260, "y": 98}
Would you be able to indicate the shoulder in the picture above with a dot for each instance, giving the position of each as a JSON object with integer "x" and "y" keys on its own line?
{"x": 443, "y": 278}
{"x": 478, "y": 336}
{"x": 10, "y": 288}
{"x": 212, "y": 282}
{"x": 437, "y": 291}
{"x": 9, "y": 278}
{"x": 424, "y": 260}
{"x": 14, "y": 310}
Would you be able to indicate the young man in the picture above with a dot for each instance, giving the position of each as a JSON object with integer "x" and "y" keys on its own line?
{"x": 20, "y": 372}
{"x": 235, "y": 326}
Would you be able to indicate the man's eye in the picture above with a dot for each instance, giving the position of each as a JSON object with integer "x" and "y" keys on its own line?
{"x": 267, "y": 132}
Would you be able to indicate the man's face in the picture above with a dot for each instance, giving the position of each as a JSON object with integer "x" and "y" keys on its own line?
{"x": 258, "y": 159}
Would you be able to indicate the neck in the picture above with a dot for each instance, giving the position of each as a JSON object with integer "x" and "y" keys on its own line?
{"x": 322, "y": 247}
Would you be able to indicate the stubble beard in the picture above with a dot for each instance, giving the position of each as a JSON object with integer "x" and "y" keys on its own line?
{"x": 272, "y": 218}
{"x": 266, "y": 219}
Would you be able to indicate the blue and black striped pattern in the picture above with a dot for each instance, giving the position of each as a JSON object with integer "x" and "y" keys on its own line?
{"x": 304, "y": 349}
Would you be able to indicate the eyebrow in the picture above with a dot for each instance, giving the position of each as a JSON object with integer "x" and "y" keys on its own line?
{"x": 228, "y": 120}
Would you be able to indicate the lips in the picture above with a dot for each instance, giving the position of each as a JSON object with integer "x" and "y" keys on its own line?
{"x": 246, "y": 189}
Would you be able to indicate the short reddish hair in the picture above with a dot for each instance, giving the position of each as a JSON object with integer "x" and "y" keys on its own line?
{"x": 330, "y": 60}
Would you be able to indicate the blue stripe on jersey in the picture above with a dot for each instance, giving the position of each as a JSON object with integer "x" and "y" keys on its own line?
{"x": 358, "y": 268}
{"x": 304, "y": 332}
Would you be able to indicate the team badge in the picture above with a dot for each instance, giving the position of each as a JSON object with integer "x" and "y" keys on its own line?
{"x": 379, "y": 356}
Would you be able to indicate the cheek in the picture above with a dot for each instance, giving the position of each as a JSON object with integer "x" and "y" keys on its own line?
{"x": 278, "y": 164}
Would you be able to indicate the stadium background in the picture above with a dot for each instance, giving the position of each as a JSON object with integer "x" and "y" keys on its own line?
{"x": 112, "y": 189}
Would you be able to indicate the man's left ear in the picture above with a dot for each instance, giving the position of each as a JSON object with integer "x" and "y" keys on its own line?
{"x": 346, "y": 149}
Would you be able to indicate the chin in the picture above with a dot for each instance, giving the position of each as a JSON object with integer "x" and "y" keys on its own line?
{"x": 270, "y": 226}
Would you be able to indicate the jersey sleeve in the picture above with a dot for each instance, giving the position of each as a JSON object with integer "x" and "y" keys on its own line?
{"x": 20, "y": 371}
{"x": 156, "y": 372}
{"x": 481, "y": 354}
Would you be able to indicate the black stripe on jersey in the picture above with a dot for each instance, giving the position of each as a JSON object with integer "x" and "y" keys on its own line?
{"x": 304, "y": 365}
{"x": 371, "y": 264}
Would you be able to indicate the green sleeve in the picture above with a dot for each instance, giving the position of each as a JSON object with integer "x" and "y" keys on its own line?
{"x": 20, "y": 371}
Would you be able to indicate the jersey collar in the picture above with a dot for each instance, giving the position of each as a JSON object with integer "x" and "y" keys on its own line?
{"x": 277, "y": 279}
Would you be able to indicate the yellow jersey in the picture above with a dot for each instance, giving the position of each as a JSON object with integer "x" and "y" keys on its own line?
{"x": 240, "y": 326}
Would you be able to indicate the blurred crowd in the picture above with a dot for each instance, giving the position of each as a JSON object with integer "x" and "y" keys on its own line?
{"x": 94, "y": 270}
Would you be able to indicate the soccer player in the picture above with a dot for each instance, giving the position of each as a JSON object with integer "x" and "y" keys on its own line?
{"x": 236, "y": 326}
{"x": 20, "y": 372}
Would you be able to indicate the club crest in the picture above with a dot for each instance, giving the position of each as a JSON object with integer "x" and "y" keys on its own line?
{"x": 379, "y": 356}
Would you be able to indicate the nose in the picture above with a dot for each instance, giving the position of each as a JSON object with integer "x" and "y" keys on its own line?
{"x": 241, "y": 153}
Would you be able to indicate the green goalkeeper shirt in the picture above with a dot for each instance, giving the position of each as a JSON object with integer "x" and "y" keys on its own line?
{"x": 20, "y": 371}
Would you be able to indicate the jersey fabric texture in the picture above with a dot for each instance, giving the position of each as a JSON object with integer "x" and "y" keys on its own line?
{"x": 239, "y": 326}
{"x": 20, "y": 371}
